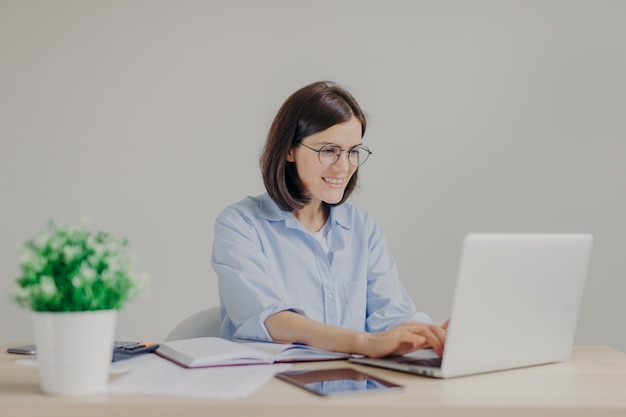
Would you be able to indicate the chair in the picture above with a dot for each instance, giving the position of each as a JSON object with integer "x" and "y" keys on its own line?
{"x": 203, "y": 323}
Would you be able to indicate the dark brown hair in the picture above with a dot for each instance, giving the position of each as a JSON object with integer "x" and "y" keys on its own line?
{"x": 309, "y": 110}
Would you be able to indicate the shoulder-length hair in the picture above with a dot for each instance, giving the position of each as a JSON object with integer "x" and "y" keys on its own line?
{"x": 311, "y": 109}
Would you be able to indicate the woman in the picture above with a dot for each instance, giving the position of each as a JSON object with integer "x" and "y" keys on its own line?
{"x": 298, "y": 264}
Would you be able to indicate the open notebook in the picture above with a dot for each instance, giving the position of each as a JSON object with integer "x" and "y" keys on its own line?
{"x": 516, "y": 304}
{"x": 214, "y": 351}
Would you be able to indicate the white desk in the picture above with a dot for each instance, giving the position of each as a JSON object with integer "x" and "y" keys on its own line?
{"x": 591, "y": 383}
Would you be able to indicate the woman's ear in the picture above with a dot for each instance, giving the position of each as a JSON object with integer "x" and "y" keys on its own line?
{"x": 290, "y": 156}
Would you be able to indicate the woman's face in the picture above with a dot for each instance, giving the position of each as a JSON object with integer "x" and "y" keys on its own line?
{"x": 327, "y": 183}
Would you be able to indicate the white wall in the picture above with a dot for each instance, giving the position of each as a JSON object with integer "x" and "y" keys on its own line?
{"x": 148, "y": 116}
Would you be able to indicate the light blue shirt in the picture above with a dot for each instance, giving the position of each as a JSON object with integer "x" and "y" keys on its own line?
{"x": 266, "y": 262}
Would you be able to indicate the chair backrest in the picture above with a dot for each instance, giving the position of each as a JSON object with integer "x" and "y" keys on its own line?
{"x": 203, "y": 323}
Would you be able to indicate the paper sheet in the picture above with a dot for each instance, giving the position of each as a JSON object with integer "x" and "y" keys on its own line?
{"x": 153, "y": 375}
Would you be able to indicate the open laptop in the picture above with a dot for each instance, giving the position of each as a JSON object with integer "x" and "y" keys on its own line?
{"x": 516, "y": 304}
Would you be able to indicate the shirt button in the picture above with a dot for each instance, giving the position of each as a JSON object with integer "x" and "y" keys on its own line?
{"x": 329, "y": 296}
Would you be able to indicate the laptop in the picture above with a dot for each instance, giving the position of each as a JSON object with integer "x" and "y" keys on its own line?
{"x": 516, "y": 304}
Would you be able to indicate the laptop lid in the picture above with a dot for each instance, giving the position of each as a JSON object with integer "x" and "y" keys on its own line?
{"x": 516, "y": 304}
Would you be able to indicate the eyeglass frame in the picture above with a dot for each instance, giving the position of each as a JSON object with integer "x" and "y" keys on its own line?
{"x": 347, "y": 151}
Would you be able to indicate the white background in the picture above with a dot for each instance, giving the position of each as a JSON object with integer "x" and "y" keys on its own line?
{"x": 148, "y": 116}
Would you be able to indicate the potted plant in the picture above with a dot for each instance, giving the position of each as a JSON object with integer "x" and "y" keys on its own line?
{"x": 74, "y": 281}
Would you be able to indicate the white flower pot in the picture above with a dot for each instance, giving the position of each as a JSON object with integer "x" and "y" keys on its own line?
{"x": 74, "y": 351}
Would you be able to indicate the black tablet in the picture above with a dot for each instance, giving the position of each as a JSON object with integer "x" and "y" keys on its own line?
{"x": 328, "y": 382}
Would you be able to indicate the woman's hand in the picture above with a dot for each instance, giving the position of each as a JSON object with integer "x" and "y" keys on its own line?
{"x": 405, "y": 338}
{"x": 290, "y": 327}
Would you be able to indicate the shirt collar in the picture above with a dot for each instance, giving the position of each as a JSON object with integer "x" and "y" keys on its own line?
{"x": 270, "y": 211}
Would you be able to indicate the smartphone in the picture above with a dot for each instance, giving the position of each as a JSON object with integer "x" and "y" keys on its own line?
{"x": 331, "y": 382}
{"x": 23, "y": 350}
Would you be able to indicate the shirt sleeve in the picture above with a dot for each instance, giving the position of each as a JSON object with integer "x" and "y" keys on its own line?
{"x": 246, "y": 287}
{"x": 388, "y": 302}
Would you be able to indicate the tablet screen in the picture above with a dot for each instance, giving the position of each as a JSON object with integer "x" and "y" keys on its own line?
{"x": 337, "y": 381}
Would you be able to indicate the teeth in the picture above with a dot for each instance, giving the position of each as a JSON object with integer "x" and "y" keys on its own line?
{"x": 333, "y": 181}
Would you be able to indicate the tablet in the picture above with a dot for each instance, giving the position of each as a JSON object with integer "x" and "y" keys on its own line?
{"x": 340, "y": 381}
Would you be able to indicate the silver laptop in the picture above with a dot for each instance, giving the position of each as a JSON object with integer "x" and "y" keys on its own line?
{"x": 516, "y": 304}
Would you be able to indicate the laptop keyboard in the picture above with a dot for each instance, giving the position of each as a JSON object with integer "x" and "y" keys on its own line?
{"x": 431, "y": 363}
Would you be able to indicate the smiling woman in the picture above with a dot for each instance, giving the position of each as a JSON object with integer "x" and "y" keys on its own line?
{"x": 298, "y": 264}
{"x": 325, "y": 177}
{"x": 311, "y": 110}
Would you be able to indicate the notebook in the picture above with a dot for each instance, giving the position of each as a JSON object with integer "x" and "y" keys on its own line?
{"x": 516, "y": 304}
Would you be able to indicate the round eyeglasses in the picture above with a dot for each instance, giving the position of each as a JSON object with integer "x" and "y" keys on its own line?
{"x": 329, "y": 154}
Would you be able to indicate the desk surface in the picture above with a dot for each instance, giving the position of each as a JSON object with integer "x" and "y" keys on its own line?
{"x": 591, "y": 382}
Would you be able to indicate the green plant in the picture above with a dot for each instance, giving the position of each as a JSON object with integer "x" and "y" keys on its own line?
{"x": 75, "y": 269}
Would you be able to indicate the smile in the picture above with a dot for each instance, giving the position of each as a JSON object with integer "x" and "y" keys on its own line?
{"x": 333, "y": 181}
